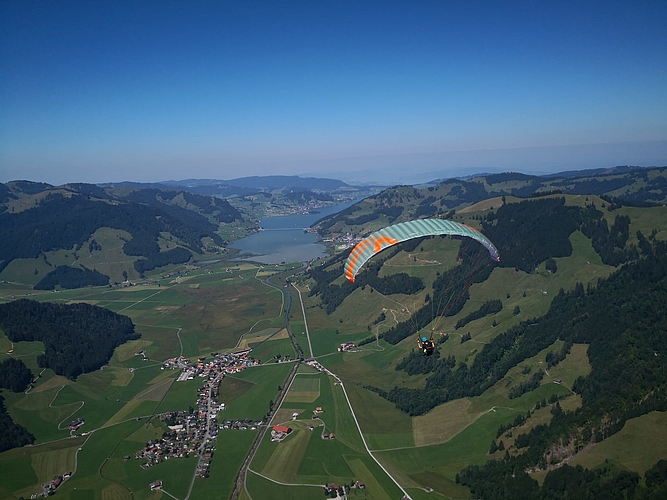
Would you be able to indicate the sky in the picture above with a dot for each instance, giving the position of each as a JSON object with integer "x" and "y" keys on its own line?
{"x": 361, "y": 90}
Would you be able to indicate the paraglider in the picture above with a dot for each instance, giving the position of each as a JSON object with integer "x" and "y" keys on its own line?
{"x": 404, "y": 231}
{"x": 426, "y": 346}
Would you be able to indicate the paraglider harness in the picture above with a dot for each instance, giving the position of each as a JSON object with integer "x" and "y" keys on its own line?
{"x": 427, "y": 346}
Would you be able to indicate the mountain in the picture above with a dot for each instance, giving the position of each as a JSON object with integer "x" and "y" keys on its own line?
{"x": 632, "y": 185}
{"x": 271, "y": 182}
{"x": 82, "y": 234}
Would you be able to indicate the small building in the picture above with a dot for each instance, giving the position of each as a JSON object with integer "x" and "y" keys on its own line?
{"x": 156, "y": 485}
{"x": 332, "y": 487}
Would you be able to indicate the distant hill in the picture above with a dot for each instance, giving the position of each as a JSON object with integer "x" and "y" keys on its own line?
{"x": 631, "y": 185}
{"x": 242, "y": 186}
{"x": 287, "y": 181}
{"x": 82, "y": 234}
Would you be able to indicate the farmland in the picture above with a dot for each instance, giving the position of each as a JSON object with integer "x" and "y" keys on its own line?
{"x": 319, "y": 450}
{"x": 191, "y": 313}
{"x": 202, "y": 312}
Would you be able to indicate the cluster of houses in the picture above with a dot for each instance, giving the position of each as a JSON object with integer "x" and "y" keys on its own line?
{"x": 312, "y": 362}
{"x": 192, "y": 432}
{"x": 50, "y": 488}
{"x": 143, "y": 355}
{"x": 347, "y": 240}
{"x": 241, "y": 425}
{"x": 204, "y": 464}
{"x": 74, "y": 425}
{"x": 346, "y": 346}
{"x": 335, "y": 490}
{"x": 220, "y": 363}
{"x": 181, "y": 442}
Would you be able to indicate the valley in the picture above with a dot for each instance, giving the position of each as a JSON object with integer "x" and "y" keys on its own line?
{"x": 329, "y": 360}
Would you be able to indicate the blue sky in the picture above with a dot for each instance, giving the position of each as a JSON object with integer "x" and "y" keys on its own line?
{"x": 386, "y": 91}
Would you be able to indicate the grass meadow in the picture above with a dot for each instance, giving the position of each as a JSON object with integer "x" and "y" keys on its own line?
{"x": 231, "y": 449}
{"x": 22, "y": 470}
{"x": 305, "y": 458}
{"x": 197, "y": 311}
{"x": 637, "y": 447}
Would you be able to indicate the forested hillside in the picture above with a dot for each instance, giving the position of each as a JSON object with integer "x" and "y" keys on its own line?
{"x": 78, "y": 338}
{"x": 15, "y": 376}
{"x": 525, "y": 234}
{"x": 632, "y": 185}
{"x": 39, "y": 218}
{"x": 621, "y": 320}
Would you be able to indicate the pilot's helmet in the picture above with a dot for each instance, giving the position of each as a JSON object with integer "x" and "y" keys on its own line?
{"x": 424, "y": 339}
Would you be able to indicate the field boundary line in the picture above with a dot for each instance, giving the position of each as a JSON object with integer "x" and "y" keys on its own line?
{"x": 280, "y": 313}
{"x": 305, "y": 322}
{"x": 70, "y": 415}
{"x": 283, "y": 484}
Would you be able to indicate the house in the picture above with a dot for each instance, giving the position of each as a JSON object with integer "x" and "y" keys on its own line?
{"x": 280, "y": 432}
{"x": 332, "y": 487}
{"x": 156, "y": 485}
{"x": 346, "y": 346}
{"x": 319, "y": 410}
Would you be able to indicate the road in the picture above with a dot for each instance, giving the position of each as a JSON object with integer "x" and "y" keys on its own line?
{"x": 305, "y": 323}
{"x": 303, "y": 310}
{"x": 207, "y": 436}
{"x": 243, "y": 472}
{"x": 240, "y": 480}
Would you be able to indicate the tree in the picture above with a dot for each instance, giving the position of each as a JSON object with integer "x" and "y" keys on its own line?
{"x": 551, "y": 266}
{"x": 493, "y": 448}
{"x": 517, "y": 310}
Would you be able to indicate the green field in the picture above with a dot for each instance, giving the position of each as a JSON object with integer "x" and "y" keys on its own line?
{"x": 254, "y": 403}
{"x": 197, "y": 311}
{"x": 22, "y": 470}
{"x": 304, "y": 457}
{"x": 232, "y": 448}
{"x": 637, "y": 447}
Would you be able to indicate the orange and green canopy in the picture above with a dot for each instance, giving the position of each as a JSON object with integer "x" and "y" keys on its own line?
{"x": 404, "y": 231}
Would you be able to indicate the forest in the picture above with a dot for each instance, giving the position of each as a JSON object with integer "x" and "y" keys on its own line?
{"x": 78, "y": 338}
{"x": 71, "y": 277}
{"x": 486, "y": 309}
{"x": 623, "y": 310}
{"x": 67, "y": 222}
{"x": 15, "y": 376}
{"x": 501, "y": 480}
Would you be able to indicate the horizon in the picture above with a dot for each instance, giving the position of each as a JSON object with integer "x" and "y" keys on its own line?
{"x": 463, "y": 174}
{"x": 371, "y": 92}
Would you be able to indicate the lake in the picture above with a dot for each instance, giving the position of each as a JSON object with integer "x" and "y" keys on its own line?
{"x": 284, "y": 239}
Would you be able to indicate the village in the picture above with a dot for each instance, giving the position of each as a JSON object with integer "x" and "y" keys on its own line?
{"x": 192, "y": 432}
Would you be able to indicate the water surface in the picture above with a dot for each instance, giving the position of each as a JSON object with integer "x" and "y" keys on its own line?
{"x": 284, "y": 239}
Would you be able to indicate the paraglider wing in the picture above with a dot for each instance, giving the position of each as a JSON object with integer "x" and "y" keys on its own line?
{"x": 404, "y": 231}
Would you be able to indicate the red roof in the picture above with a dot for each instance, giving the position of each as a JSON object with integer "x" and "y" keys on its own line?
{"x": 281, "y": 428}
